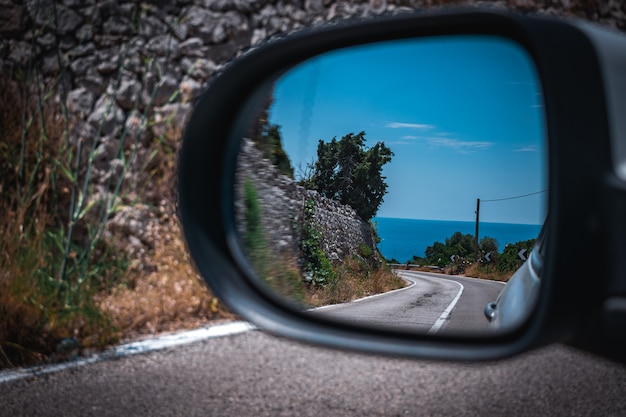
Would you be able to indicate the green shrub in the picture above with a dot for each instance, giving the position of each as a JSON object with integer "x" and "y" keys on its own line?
{"x": 254, "y": 238}
{"x": 365, "y": 251}
{"x": 318, "y": 269}
{"x": 279, "y": 273}
{"x": 509, "y": 260}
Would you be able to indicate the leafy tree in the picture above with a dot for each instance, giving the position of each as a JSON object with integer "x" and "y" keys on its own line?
{"x": 438, "y": 254}
{"x": 509, "y": 260}
{"x": 459, "y": 245}
{"x": 489, "y": 245}
{"x": 417, "y": 260}
{"x": 348, "y": 172}
{"x": 270, "y": 142}
{"x": 267, "y": 138}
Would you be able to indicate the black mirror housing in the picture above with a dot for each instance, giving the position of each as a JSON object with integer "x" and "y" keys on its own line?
{"x": 581, "y": 301}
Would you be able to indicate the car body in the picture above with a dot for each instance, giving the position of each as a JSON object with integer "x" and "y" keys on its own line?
{"x": 511, "y": 308}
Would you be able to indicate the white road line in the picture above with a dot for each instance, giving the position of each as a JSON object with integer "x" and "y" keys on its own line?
{"x": 143, "y": 346}
{"x": 444, "y": 316}
{"x": 183, "y": 338}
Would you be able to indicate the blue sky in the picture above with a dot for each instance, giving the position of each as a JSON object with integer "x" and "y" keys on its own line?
{"x": 463, "y": 115}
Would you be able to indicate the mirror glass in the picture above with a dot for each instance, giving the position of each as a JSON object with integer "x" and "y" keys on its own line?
{"x": 399, "y": 184}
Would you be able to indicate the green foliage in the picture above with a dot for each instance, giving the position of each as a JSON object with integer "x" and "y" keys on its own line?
{"x": 417, "y": 260}
{"x": 55, "y": 257}
{"x": 271, "y": 145}
{"x": 58, "y": 250}
{"x": 509, "y": 260}
{"x": 356, "y": 279}
{"x": 348, "y": 172}
{"x": 374, "y": 226}
{"x": 275, "y": 271}
{"x": 488, "y": 244}
{"x": 318, "y": 269}
{"x": 268, "y": 140}
{"x": 254, "y": 240}
{"x": 364, "y": 251}
{"x": 460, "y": 246}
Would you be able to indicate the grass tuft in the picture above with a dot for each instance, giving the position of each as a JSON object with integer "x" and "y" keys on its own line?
{"x": 477, "y": 270}
{"x": 356, "y": 278}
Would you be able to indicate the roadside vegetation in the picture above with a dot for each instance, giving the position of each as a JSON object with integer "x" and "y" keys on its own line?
{"x": 457, "y": 255}
{"x": 356, "y": 277}
{"x": 68, "y": 283}
{"x": 267, "y": 138}
{"x": 351, "y": 173}
{"x": 310, "y": 278}
{"x": 53, "y": 259}
{"x": 281, "y": 273}
{"x": 360, "y": 274}
{"x": 313, "y": 279}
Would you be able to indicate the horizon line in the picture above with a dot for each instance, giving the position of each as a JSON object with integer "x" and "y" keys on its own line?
{"x": 448, "y": 220}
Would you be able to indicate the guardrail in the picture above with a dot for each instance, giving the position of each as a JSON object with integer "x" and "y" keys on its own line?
{"x": 414, "y": 266}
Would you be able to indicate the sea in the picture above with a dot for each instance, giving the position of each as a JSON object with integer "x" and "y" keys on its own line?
{"x": 403, "y": 238}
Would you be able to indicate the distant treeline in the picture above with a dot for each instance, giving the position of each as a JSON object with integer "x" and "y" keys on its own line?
{"x": 459, "y": 252}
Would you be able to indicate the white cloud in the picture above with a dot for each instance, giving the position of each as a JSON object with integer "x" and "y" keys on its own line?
{"x": 529, "y": 148}
{"x": 440, "y": 141}
{"x": 459, "y": 145}
{"x": 437, "y": 139}
{"x": 400, "y": 125}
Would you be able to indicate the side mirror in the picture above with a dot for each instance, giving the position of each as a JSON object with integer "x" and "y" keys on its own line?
{"x": 565, "y": 111}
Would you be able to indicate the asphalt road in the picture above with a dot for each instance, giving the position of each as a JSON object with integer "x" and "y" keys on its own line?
{"x": 433, "y": 303}
{"x": 253, "y": 374}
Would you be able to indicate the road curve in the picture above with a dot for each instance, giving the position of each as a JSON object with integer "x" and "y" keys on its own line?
{"x": 432, "y": 303}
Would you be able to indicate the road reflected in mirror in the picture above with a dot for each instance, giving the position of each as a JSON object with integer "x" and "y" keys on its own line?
{"x": 399, "y": 184}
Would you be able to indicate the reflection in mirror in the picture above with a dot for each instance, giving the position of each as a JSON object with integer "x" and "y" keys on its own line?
{"x": 399, "y": 184}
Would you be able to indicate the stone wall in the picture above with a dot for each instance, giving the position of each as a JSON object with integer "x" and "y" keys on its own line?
{"x": 127, "y": 71}
{"x": 282, "y": 203}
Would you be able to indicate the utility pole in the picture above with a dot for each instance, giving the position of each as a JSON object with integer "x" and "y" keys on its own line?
{"x": 476, "y": 236}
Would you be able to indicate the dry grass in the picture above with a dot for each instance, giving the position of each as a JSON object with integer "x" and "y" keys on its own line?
{"x": 356, "y": 278}
{"x": 475, "y": 270}
{"x": 163, "y": 291}
{"x": 168, "y": 297}
{"x": 37, "y": 308}
{"x": 49, "y": 312}
{"x": 485, "y": 272}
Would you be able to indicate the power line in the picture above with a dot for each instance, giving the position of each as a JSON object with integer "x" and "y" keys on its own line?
{"x": 478, "y": 201}
{"x": 513, "y": 198}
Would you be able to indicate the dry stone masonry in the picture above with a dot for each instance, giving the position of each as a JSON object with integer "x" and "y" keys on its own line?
{"x": 283, "y": 203}
{"x": 128, "y": 71}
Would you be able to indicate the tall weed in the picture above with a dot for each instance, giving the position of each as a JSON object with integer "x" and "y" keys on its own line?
{"x": 53, "y": 255}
